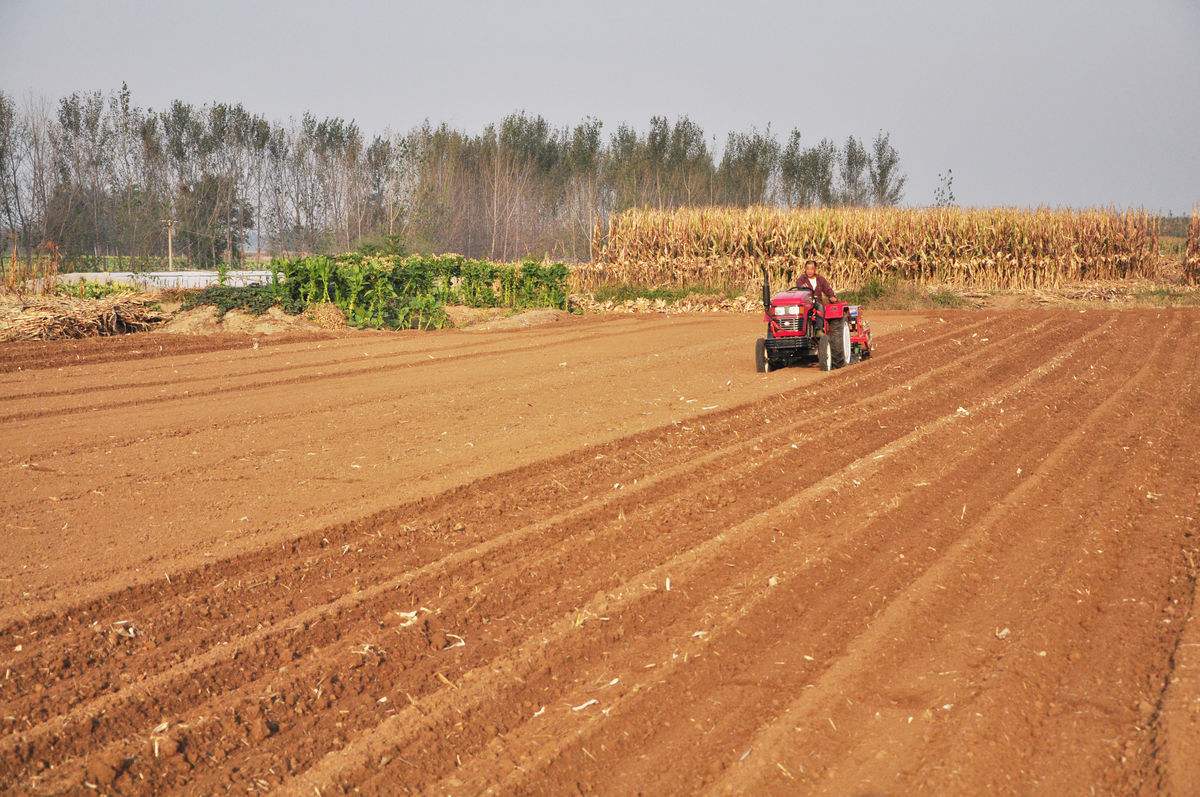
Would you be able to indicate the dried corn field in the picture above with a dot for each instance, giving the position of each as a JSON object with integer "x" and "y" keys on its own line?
{"x": 997, "y": 248}
{"x": 36, "y": 274}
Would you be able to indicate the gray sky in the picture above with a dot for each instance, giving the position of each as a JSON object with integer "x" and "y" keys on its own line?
{"x": 1060, "y": 103}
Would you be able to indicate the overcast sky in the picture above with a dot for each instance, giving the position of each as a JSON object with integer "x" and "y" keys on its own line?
{"x": 1060, "y": 103}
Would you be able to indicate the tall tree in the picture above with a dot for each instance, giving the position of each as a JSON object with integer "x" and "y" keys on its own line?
{"x": 747, "y": 167}
{"x": 887, "y": 183}
{"x": 852, "y": 173}
{"x": 98, "y": 175}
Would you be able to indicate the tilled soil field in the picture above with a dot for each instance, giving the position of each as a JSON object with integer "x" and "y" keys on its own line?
{"x": 606, "y": 557}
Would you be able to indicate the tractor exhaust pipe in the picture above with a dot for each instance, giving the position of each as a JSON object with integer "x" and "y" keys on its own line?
{"x": 766, "y": 290}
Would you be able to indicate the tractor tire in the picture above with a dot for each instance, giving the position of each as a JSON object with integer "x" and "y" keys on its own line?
{"x": 839, "y": 343}
{"x": 762, "y": 362}
{"x": 824, "y": 353}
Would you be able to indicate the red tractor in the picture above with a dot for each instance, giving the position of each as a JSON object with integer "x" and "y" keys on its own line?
{"x": 802, "y": 330}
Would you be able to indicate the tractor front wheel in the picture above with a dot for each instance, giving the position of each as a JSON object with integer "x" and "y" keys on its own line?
{"x": 762, "y": 361}
{"x": 824, "y": 353}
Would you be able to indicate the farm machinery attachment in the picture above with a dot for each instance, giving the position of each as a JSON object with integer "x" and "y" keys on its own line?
{"x": 802, "y": 330}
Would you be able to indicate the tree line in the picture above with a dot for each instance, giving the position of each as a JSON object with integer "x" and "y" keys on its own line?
{"x": 97, "y": 175}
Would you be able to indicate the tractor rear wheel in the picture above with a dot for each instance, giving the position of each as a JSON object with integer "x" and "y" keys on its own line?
{"x": 839, "y": 342}
{"x": 762, "y": 361}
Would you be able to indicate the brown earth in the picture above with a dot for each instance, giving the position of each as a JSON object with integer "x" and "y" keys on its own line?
{"x": 605, "y": 556}
{"x": 204, "y": 320}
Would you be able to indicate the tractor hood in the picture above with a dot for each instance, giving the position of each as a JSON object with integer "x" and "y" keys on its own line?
{"x": 792, "y": 297}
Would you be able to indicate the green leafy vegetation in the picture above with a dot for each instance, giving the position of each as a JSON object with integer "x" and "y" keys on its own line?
{"x": 253, "y": 299}
{"x": 121, "y": 263}
{"x": 89, "y": 289}
{"x": 395, "y": 292}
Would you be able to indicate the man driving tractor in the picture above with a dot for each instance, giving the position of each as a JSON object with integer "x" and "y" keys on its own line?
{"x": 808, "y": 323}
{"x": 810, "y": 280}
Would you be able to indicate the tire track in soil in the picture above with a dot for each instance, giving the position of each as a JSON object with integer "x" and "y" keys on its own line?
{"x": 278, "y": 414}
{"x": 345, "y": 409}
{"x": 486, "y": 349}
{"x": 362, "y": 350}
{"x": 23, "y": 358}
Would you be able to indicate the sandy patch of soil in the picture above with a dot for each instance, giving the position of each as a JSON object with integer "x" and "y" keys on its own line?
{"x": 204, "y": 321}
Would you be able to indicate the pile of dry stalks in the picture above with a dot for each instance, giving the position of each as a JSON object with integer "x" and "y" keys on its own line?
{"x": 51, "y": 317}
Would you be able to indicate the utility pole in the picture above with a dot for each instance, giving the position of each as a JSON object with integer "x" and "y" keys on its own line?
{"x": 170, "y": 243}
{"x": 12, "y": 270}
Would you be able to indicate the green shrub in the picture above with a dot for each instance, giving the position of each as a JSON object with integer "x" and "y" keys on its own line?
{"x": 254, "y": 299}
{"x": 476, "y": 285}
{"x": 409, "y": 292}
{"x": 420, "y": 312}
{"x": 541, "y": 285}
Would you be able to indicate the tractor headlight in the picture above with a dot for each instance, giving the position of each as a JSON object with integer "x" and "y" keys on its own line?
{"x": 794, "y": 310}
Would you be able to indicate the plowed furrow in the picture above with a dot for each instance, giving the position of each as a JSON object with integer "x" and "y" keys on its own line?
{"x": 938, "y": 613}
{"x": 204, "y": 460}
{"x": 205, "y": 619}
{"x": 733, "y": 638}
{"x": 22, "y": 358}
{"x": 192, "y": 438}
{"x": 383, "y": 411}
{"x": 381, "y": 346}
{"x": 680, "y": 567}
{"x": 961, "y": 566}
{"x": 538, "y": 494}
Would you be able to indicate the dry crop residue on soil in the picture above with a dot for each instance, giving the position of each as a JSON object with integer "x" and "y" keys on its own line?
{"x": 606, "y": 556}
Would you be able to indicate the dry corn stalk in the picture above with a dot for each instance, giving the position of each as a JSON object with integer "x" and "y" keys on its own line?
{"x": 1191, "y": 262}
{"x": 53, "y": 317}
{"x": 991, "y": 249}
{"x": 36, "y": 274}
